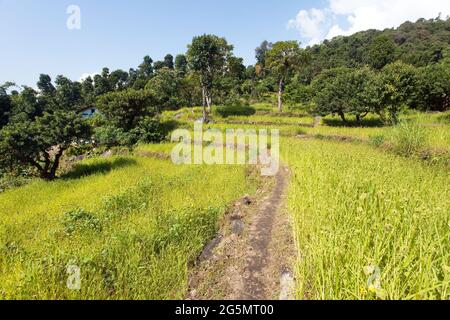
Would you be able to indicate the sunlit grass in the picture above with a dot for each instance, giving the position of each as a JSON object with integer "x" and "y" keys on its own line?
{"x": 353, "y": 208}
{"x": 152, "y": 219}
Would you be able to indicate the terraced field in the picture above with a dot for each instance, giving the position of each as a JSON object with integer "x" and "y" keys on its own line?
{"x": 368, "y": 223}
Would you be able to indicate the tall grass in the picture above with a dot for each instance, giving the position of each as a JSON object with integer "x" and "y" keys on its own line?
{"x": 409, "y": 138}
{"x": 368, "y": 225}
{"x": 133, "y": 230}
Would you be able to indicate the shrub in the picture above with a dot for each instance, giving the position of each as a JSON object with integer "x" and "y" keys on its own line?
{"x": 235, "y": 110}
{"x": 80, "y": 220}
{"x": 378, "y": 140}
{"x": 148, "y": 130}
{"x": 111, "y": 136}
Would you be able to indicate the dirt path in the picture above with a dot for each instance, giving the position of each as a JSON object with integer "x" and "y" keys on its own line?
{"x": 250, "y": 258}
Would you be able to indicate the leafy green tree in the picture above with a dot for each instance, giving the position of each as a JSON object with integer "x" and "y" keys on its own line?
{"x": 341, "y": 91}
{"x": 331, "y": 93}
{"x": 101, "y": 83}
{"x": 87, "y": 91}
{"x": 26, "y": 106}
{"x": 283, "y": 59}
{"x": 190, "y": 90}
{"x": 168, "y": 61}
{"x": 165, "y": 87}
{"x": 398, "y": 86}
{"x": 68, "y": 94}
{"x": 45, "y": 85}
{"x": 118, "y": 80}
{"x": 381, "y": 52}
{"x": 146, "y": 68}
{"x": 124, "y": 109}
{"x": 207, "y": 56}
{"x": 41, "y": 142}
{"x": 229, "y": 83}
{"x": 261, "y": 56}
{"x": 433, "y": 87}
{"x": 5, "y": 107}
{"x": 181, "y": 64}
{"x": 158, "y": 65}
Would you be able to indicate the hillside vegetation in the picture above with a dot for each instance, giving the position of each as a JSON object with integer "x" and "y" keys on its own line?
{"x": 86, "y": 177}
{"x": 132, "y": 225}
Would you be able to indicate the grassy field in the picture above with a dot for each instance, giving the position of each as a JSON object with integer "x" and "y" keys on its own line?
{"x": 133, "y": 225}
{"x": 357, "y": 211}
{"x": 368, "y": 223}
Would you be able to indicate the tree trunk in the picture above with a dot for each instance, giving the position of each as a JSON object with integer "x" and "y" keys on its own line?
{"x": 205, "y": 99}
{"x": 56, "y": 164}
{"x": 342, "y": 115}
{"x": 280, "y": 97}
{"x": 209, "y": 103}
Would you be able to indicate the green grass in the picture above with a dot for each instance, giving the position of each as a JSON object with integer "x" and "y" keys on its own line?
{"x": 273, "y": 120}
{"x": 135, "y": 224}
{"x": 132, "y": 229}
{"x": 356, "y": 209}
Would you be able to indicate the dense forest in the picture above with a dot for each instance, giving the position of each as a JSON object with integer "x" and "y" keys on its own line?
{"x": 371, "y": 72}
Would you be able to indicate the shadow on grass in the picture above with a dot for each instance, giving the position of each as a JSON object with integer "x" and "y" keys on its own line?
{"x": 98, "y": 166}
{"x": 445, "y": 118}
{"x": 366, "y": 123}
{"x": 168, "y": 126}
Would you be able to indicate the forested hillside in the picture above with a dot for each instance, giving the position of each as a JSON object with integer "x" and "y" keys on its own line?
{"x": 419, "y": 44}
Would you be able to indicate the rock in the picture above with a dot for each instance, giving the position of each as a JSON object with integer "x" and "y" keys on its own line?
{"x": 247, "y": 201}
{"x": 237, "y": 227}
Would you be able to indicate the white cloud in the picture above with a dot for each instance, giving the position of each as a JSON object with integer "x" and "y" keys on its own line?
{"x": 311, "y": 24}
{"x": 319, "y": 24}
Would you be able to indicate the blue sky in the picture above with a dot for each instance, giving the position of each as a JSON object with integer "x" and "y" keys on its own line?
{"x": 119, "y": 33}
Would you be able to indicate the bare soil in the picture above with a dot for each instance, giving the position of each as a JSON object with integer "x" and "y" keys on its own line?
{"x": 252, "y": 255}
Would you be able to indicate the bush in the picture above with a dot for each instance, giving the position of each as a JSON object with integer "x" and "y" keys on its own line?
{"x": 80, "y": 220}
{"x": 235, "y": 110}
{"x": 111, "y": 136}
{"x": 409, "y": 138}
{"x": 378, "y": 140}
{"x": 149, "y": 131}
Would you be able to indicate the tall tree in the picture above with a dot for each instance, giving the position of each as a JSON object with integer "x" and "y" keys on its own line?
{"x": 168, "y": 61}
{"x": 68, "y": 94}
{"x": 165, "y": 88}
{"x": 381, "y": 52}
{"x": 124, "y": 109}
{"x": 397, "y": 82}
{"x": 261, "y": 55}
{"x": 146, "y": 68}
{"x": 26, "y": 106}
{"x": 41, "y": 142}
{"x": 118, "y": 79}
{"x": 284, "y": 58}
{"x": 207, "y": 56}
{"x": 341, "y": 91}
{"x": 87, "y": 91}
{"x": 181, "y": 64}
{"x": 158, "y": 65}
{"x": 5, "y": 107}
{"x": 433, "y": 87}
{"x": 45, "y": 85}
{"x": 101, "y": 83}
